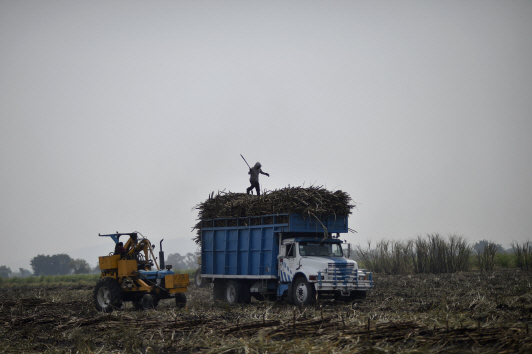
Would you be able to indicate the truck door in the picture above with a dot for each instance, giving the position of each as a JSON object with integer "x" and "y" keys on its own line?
{"x": 286, "y": 267}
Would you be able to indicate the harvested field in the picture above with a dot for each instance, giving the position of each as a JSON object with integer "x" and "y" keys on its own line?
{"x": 462, "y": 312}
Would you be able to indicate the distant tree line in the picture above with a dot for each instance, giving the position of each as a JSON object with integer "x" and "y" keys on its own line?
{"x": 5, "y": 272}
{"x": 179, "y": 262}
{"x": 58, "y": 264}
{"x": 62, "y": 264}
{"x": 481, "y": 245}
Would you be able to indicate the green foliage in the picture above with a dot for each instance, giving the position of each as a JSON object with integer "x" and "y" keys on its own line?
{"x": 180, "y": 262}
{"x": 79, "y": 266}
{"x": 435, "y": 254}
{"x": 390, "y": 257}
{"x": 486, "y": 257}
{"x": 432, "y": 254}
{"x": 480, "y": 245}
{"x": 5, "y": 271}
{"x": 185, "y": 271}
{"x": 51, "y": 265}
{"x": 505, "y": 260}
{"x": 55, "y": 280}
{"x": 523, "y": 255}
{"x": 21, "y": 273}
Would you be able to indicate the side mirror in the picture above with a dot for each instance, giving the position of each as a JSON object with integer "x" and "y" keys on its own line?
{"x": 347, "y": 250}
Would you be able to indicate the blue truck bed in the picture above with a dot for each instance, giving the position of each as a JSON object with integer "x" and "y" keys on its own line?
{"x": 248, "y": 247}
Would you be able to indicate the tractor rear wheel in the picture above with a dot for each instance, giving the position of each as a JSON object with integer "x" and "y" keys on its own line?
{"x": 107, "y": 295}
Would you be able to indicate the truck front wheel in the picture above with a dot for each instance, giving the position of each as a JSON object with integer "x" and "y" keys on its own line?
{"x": 304, "y": 293}
{"x": 359, "y": 294}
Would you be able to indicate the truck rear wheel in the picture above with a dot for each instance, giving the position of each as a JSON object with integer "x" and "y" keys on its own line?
{"x": 107, "y": 295}
{"x": 304, "y": 293}
{"x": 233, "y": 292}
{"x": 198, "y": 280}
{"x": 218, "y": 289}
{"x": 246, "y": 293}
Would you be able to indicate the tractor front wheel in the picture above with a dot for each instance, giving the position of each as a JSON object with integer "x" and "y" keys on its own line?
{"x": 180, "y": 300}
{"x": 107, "y": 295}
{"x": 147, "y": 302}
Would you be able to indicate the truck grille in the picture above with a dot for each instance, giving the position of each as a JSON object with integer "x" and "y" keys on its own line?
{"x": 341, "y": 272}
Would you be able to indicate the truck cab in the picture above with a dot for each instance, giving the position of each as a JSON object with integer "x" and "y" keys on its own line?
{"x": 310, "y": 266}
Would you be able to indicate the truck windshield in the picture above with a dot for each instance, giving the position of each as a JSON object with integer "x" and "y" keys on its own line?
{"x": 320, "y": 249}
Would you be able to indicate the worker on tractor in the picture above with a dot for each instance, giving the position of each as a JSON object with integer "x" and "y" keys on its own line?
{"x": 120, "y": 249}
{"x": 254, "y": 177}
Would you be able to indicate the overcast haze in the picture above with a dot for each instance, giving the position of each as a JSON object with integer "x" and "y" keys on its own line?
{"x": 123, "y": 115}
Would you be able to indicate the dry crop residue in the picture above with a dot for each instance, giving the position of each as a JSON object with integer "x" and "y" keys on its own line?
{"x": 465, "y": 312}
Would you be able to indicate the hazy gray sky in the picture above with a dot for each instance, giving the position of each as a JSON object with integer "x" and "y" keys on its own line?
{"x": 123, "y": 115}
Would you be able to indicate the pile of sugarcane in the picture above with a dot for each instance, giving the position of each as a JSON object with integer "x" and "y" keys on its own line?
{"x": 313, "y": 201}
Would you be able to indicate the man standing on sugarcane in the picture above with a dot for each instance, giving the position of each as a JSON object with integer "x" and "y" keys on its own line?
{"x": 254, "y": 177}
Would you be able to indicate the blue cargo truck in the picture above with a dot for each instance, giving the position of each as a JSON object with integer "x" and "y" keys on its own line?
{"x": 281, "y": 256}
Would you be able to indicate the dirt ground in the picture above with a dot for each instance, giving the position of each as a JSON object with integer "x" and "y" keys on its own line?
{"x": 448, "y": 313}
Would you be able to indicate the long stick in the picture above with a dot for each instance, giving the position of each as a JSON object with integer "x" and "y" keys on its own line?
{"x": 245, "y": 161}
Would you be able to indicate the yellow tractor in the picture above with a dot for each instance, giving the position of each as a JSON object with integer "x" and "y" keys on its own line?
{"x": 131, "y": 273}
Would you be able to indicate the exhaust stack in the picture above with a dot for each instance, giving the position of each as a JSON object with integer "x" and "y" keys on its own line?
{"x": 161, "y": 255}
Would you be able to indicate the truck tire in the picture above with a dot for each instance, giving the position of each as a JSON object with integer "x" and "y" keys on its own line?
{"x": 304, "y": 293}
{"x": 198, "y": 280}
{"x": 258, "y": 296}
{"x": 358, "y": 294}
{"x": 180, "y": 300}
{"x": 246, "y": 293}
{"x": 218, "y": 288}
{"x": 355, "y": 295}
{"x": 107, "y": 295}
{"x": 233, "y": 292}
